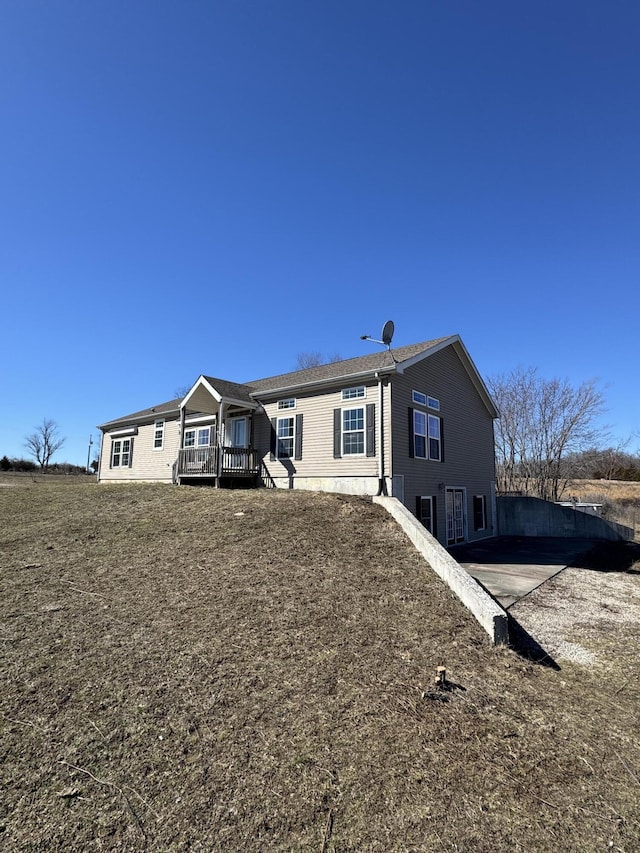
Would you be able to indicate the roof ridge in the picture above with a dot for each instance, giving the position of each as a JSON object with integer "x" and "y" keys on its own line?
{"x": 408, "y": 351}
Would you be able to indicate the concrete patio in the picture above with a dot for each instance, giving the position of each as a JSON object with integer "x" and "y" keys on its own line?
{"x": 511, "y": 567}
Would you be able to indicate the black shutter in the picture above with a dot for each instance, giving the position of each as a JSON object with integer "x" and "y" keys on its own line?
{"x": 298, "y": 450}
{"x": 434, "y": 517}
{"x": 411, "y": 443}
{"x": 111, "y": 455}
{"x": 274, "y": 435}
{"x": 131, "y": 452}
{"x": 419, "y": 507}
{"x": 371, "y": 429}
{"x": 337, "y": 433}
{"x": 441, "y": 440}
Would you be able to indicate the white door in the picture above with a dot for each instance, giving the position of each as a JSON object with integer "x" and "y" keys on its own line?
{"x": 239, "y": 432}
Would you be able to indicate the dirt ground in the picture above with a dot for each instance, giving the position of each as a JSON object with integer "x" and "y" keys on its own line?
{"x": 192, "y": 669}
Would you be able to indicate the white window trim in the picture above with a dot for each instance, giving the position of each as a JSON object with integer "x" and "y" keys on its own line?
{"x": 356, "y": 395}
{"x": 439, "y": 439}
{"x": 344, "y": 431}
{"x": 158, "y": 426}
{"x": 287, "y": 404}
{"x": 291, "y": 437}
{"x": 433, "y": 403}
{"x": 416, "y": 455}
{"x": 121, "y": 453}
{"x": 419, "y": 398}
{"x": 432, "y": 500}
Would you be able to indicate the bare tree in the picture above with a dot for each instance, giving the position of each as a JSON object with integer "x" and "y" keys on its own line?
{"x": 44, "y": 442}
{"x": 315, "y": 359}
{"x": 541, "y": 422}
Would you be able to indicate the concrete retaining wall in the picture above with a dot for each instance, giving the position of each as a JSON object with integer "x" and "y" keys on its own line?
{"x": 488, "y": 612}
{"x": 525, "y": 516}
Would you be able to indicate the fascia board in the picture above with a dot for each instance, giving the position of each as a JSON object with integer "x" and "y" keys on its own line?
{"x": 476, "y": 378}
{"x": 427, "y": 352}
{"x": 200, "y": 381}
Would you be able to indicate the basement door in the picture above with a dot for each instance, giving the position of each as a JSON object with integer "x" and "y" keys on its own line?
{"x": 455, "y": 516}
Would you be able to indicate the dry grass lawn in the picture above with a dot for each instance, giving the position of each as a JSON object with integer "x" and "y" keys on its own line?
{"x": 191, "y": 669}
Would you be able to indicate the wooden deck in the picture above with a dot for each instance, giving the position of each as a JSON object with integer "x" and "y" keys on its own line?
{"x": 216, "y": 463}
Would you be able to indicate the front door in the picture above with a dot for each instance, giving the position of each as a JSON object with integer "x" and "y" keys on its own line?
{"x": 238, "y": 437}
{"x": 455, "y": 516}
{"x": 239, "y": 432}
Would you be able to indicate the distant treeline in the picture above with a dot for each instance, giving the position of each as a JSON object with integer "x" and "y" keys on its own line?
{"x": 28, "y": 466}
{"x": 607, "y": 464}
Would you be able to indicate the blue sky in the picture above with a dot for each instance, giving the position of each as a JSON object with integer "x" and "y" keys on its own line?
{"x": 203, "y": 187}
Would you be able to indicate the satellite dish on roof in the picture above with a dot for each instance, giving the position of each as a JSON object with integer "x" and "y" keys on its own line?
{"x": 387, "y": 335}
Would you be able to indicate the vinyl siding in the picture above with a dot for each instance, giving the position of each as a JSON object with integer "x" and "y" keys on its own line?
{"x": 468, "y": 438}
{"x": 317, "y": 442}
{"x": 147, "y": 463}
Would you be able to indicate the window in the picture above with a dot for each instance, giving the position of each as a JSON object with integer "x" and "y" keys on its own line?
{"x": 426, "y": 512}
{"x": 479, "y": 512}
{"x": 197, "y": 437}
{"x": 121, "y": 453}
{"x": 353, "y": 393}
{"x": 420, "y": 399}
{"x": 158, "y": 435}
{"x": 285, "y": 433}
{"x": 352, "y": 431}
{"x": 425, "y": 436}
{"x": 290, "y": 403}
{"x": 419, "y": 435}
{"x": 432, "y": 403}
{"x": 434, "y": 438}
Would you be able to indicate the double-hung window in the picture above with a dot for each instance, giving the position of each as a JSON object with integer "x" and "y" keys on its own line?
{"x": 121, "y": 453}
{"x": 435, "y": 449}
{"x": 158, "y": 435}
{"x": 425, "y": 435}
{"x": 285, "y": 438}
{"x": 420, "y": 434}
{"x": 353, "y": 432}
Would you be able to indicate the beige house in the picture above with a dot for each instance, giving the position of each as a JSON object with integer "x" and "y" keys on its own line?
{"x": 415, "y": 422}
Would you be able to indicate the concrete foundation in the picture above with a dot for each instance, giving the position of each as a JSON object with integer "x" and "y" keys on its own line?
{"x": 489, "y": 614}
{"x": 525, "y": 516}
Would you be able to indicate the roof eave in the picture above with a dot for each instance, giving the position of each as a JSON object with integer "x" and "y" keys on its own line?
{"x": 322, "y": 383}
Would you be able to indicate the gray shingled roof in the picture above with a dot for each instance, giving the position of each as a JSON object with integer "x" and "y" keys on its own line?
{"x": 231, "y": 390}
{"x": 147, "y": 414}
{"x": 338, "y": 369}
{"x": 378, "y": 360}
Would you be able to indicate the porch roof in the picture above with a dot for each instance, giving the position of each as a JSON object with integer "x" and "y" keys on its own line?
{"x": 208, "y": 392}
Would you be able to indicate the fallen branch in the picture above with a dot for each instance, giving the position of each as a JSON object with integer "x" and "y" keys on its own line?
{"x": 627, "y": 768}
{"x": 83, "y": 591}
{"x": 327, "y": 831}
{"x": 118, "y": 789}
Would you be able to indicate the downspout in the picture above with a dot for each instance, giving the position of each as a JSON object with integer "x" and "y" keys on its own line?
{"x": 382, "y": 484}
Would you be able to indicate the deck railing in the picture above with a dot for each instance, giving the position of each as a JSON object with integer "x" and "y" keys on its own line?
{"x": 203, "y": 462}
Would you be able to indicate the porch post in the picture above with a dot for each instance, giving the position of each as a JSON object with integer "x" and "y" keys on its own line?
{"x": 182, "y": 417}
{"x": 220, "y": 432}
